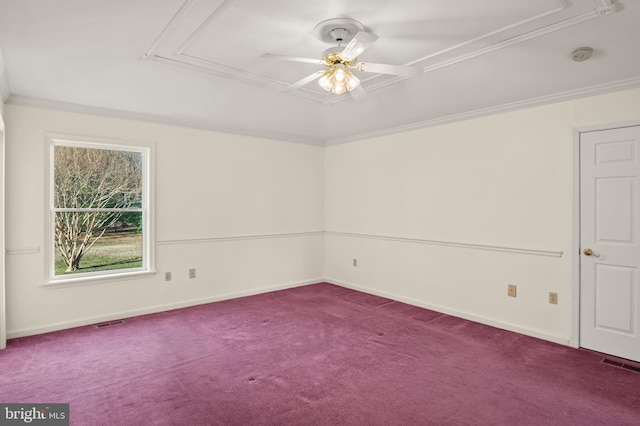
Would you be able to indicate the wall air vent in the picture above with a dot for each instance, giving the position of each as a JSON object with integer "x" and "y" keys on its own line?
{"x": 109, "y": 323}
{"x": 625, "y": 365}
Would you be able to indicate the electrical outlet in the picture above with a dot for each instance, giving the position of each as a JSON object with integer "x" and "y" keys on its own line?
{"x": 192, "y": 273}
{"x": 167, "y": 276}
{"x": 511, "y": 290}
{"x": 355, "y": 262}
{"x": 553, "y": 298}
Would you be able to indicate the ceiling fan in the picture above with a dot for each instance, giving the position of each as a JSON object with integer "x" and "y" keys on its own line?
{"x": 337, "y": 77}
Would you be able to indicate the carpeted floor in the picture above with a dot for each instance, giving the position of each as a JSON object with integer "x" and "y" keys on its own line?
{"x": 315, "y": 355}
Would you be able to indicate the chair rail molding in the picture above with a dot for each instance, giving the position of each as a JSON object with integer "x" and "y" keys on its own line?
{"x": 459, "y": 244}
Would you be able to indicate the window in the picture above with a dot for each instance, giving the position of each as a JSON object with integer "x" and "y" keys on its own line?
{"x": 99, "y": 210}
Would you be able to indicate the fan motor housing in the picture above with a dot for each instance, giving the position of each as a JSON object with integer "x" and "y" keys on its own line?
{"x": 331, "y": 59}
{"x": 337, "y": 30}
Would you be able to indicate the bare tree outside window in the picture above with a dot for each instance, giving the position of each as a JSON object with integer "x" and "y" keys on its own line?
{"x": 98, "y": 195}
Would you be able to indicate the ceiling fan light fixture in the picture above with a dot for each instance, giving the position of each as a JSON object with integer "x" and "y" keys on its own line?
{"x": 337, "y": 77}
{"x": 339, "y": 89}
{"x": 338, "y": 80}
{"x": 352, "y": 82}
{"x": 325, "y": 81}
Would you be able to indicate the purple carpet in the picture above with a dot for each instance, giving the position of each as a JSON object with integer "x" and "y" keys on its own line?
{"x": 315, "y": 355}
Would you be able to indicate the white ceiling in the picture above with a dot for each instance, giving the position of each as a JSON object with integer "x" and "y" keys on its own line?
{"x": 198, "y": 62}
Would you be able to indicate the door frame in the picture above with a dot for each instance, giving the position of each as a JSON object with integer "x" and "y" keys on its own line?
{"x": 574, "y": 340}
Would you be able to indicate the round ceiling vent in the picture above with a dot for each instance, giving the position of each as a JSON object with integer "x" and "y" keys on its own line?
{"x": 581, "y": 54}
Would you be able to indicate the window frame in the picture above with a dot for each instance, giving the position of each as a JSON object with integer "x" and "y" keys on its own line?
{"x": 146, "y": 208}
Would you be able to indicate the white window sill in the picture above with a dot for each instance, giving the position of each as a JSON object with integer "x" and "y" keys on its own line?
{"x": 96, "y": 278}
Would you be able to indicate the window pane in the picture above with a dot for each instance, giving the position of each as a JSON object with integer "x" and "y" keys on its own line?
{"x": 98, "y": 208}
{"x": 96, "y": 178}
{"x": 117, "y": 244}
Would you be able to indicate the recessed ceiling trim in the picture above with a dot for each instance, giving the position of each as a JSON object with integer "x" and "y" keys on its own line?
{"x": 515, "y": 40}
{"x": 173, "y": 22}
{"x": 200, "y": 66}
{"x": 508, "y": 42}
{"x": 180, "y": 55}
{"x": 575, "y": 20}
{"x": 488, "y": 35}
{"x": 192, "y": 38}
{"x": 203, "y": 65}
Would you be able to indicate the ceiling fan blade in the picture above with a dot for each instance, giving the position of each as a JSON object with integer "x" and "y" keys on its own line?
{"x": 293, "y": 58}
{"x": 404, "y": 70}
{"x": 358, "y": 93}
{"x": 358, "y": 44}
{"x": 300, "y": 83}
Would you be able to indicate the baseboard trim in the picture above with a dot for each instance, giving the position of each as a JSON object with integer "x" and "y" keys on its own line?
{"x": 24, "y": 332}
{"x": 562, "y": 340}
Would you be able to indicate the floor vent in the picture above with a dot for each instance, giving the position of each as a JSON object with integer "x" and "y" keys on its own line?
{"x": 619, "y": 364}
{"x": 109, "y": 323}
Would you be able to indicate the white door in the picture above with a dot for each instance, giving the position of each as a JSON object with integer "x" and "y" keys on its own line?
{"x": 610, "y": 241}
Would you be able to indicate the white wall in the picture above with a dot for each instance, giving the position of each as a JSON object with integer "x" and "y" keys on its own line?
{"x": 442, "y": 217}
{"x": 446, "y": 217}
{"x": 247, "y": 213}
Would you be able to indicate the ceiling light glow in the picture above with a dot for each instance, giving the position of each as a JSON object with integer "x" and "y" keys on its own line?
{"x": 338, "y": 80}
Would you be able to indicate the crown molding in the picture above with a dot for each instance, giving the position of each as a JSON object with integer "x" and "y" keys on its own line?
{"x": 542, "y": 100}
{"x": 135, "y": 116}
{"x": 599, "y": 89}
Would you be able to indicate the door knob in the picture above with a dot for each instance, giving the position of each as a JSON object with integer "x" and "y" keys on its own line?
{"x": 589, "y": 252}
